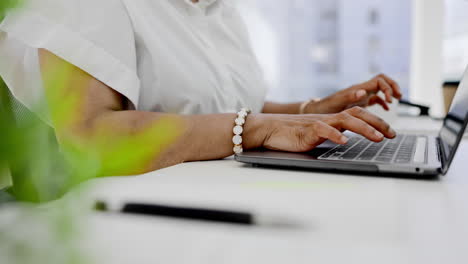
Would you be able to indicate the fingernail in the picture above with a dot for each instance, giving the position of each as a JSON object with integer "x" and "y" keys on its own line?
{"x": 393, "y": 132}
{"x": 378, "y": 134}
{"x": 344, "y": 139}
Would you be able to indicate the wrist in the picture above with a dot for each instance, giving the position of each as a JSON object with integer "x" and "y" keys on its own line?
{"x": 255, "y": 131}
{"x": 314, "y": 107}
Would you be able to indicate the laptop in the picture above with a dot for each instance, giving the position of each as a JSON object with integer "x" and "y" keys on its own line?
{"x": 414, "y": 155}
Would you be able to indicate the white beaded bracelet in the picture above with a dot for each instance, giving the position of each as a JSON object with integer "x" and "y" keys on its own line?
{"x": 239, "y": 129}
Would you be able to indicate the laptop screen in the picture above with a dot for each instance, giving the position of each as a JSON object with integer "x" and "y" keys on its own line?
{"x": 455, "y": 124}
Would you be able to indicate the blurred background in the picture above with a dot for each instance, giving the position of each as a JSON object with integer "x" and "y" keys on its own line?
{"x": 455, "y": 39}
{"x": 307, "y": 48}
{"x": 312, "y": 48}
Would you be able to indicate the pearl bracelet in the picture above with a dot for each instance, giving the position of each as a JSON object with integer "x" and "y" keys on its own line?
{"x": 239, "y": 129}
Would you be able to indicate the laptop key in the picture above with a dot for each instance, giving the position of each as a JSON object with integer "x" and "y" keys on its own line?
{"x": 371, "y": 151}
{"x": 388, "y": 152}
{"x": 405, "y": 153}
{"x": 336, "y": 155}
{"x": 366, "y": 157}
{"x": 355, "y": 151}
{"x": 326, "y": 155}
{"x": 401, "y": 150}
{"x": 340, "y": 150}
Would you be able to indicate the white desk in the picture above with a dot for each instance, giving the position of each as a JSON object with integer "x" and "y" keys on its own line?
{"x": 345, "y": 219}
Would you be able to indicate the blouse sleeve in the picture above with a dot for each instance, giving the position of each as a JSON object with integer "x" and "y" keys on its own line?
{"x": 95, "y": 36}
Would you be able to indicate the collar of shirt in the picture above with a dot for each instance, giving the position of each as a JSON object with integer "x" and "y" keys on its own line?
{"x": 201, "y": 7}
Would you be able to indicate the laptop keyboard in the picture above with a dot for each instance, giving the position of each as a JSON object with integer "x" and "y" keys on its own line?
{"x": 402, "y": 150}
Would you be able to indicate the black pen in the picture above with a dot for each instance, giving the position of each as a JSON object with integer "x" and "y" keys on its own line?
{"x": 212, "y": 215}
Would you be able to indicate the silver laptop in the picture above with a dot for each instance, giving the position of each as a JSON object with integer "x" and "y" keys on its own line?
{"x": 413, "y": 155}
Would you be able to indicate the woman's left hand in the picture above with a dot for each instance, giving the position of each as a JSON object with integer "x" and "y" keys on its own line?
{"x": 363, "y": 95}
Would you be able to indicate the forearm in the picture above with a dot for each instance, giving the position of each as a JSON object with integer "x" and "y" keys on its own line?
{"x": 277, "y": 108}
{"x": 199, "y": 137}
{"x": 92, "y": 123}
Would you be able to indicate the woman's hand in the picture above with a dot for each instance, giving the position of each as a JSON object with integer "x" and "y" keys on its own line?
{"x": 302, "y": 133}
{"x": 363, "y": 95}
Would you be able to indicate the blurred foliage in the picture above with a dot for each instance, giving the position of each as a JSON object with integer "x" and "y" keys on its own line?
{"x": 103, "y": 152}
{"x": 5, "y": 5}
{"x": 43, "y": 170}
{"x": 53, "y": 235}
{"x": 30, "y": 150}
{"x": 29, "y": 234}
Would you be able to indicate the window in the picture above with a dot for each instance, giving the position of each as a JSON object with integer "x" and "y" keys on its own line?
{"x": 456, "y": 39}
{"x": 312, "y": 48}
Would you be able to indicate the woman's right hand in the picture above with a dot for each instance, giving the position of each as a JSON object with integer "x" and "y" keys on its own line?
{"x": 302, "y": 133}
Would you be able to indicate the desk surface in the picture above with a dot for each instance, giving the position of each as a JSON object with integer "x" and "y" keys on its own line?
{"x": 343, "y": 219}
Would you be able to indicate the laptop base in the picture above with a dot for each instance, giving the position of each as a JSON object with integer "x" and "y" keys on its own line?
{"x": 309, "y": 161}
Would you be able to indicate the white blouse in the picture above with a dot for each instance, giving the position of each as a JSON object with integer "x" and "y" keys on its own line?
{"x": 163, "y": 55}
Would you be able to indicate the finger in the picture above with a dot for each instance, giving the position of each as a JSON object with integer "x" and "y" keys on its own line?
{"x": 359, "y": 126}
{"x": 386, "y": 89}
{"x": 395, "y": 86}
{"x": 328, "y": 132}
{"x": 373, "y": 120}
{"x": 378, "y": 100}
